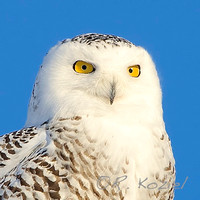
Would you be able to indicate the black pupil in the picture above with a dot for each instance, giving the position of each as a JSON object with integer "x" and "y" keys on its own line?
{"x": 130, "y": 70}
{"x": 84, "y": 67}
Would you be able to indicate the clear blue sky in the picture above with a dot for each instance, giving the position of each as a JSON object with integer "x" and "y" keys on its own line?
{"x": 169, "y": 30}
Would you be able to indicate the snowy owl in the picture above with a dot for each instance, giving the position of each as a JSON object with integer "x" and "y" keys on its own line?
{"x": 94, "y": 129}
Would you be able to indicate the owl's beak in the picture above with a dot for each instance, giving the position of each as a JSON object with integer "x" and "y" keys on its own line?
{"x": 112, "y": 93}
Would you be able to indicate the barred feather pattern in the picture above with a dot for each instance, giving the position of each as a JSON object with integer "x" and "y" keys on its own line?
{"x": 59, "y": 160}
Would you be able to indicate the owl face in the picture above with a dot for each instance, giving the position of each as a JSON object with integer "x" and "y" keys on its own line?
{"x": 96, "y": 74}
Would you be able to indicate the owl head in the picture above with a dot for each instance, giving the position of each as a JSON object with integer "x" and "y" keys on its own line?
{"x": 96, "y": 74}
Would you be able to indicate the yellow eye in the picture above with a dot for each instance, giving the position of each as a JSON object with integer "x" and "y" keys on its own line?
{"x": 134, "y": 70}
{"x": 83, "y": 67}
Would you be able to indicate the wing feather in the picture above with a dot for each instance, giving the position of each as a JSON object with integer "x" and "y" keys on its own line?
{"x": 19, "y": 145}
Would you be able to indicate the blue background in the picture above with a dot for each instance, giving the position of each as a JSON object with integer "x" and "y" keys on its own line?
{"x": 169, "y": 30}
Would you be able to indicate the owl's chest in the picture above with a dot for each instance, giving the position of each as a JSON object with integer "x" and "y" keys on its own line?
{"x": 131, "y": 148}
{"x": 109, "y": 157}
{"x": 120, "y": 138}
